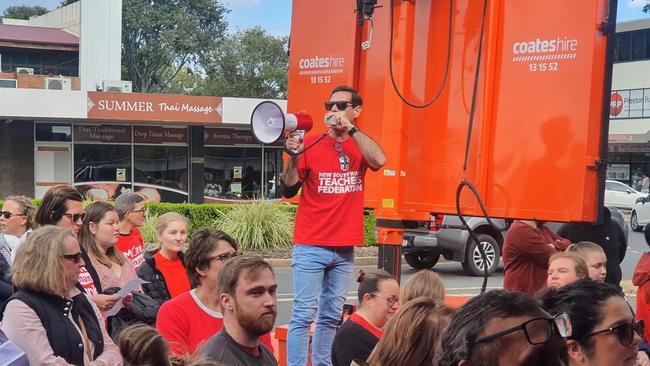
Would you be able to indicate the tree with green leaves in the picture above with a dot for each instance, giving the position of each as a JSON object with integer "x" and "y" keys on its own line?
{"x": 160, "y": 38}
{"x": 250, "y": 64}
{"x": 67, "y": 2}
{"x": 23, "y": 12}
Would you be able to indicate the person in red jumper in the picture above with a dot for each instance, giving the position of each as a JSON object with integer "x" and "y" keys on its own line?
{"x": 130, "y": 210}
{"x": 329, "y": 222}
{"x": 164, "y": 268}
{"x": 526, "y": 250}
{"x": 191, "y": 318}
{"x": 641, "y": 279}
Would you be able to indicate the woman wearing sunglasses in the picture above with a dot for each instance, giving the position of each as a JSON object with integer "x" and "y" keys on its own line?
{"x": 603, "y": 328}
{"x": 48, "y": 317}
{"x": 98, "y": 237}
{"x": 378, "y": 294}
{"x": 164, "y": 268}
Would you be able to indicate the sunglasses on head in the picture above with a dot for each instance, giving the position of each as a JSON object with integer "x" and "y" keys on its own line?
{"x": 624, "y": 332}
{"x": 73, "y": 257}
{"x": 7, "y": 215}
{"x": 75, "y": 217}
{"x": 341, "y": 106}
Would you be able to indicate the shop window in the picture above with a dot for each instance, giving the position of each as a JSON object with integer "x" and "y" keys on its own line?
{"x": 53, "y": 132}
{"x": 638, "y": 45}
{"x": 233, "y": 172}
{"x": 623, "y": 46}
{"x": 102, "y": 171}
{"x": 161, "y": 172}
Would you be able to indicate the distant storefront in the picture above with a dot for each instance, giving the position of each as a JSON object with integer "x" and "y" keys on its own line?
{"x": 170, "y": 148}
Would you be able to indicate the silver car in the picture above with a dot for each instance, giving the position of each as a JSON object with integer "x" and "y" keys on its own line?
{"x": 444, "y": 235}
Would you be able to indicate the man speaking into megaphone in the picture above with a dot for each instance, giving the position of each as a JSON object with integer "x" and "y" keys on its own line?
{"x": 329, "y": 221}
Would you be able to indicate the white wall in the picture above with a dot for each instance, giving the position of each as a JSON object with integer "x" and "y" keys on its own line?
{"x": 238, "y": 110}
{"x": 67, "y": 17}
{"x": 41, "y": 103}
{"x": 100, "y": 49}
{"x": 630, "y": 75}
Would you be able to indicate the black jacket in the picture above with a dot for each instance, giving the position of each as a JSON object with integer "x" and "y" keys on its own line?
{"x": 61, "y": 333}
{"x": 607, "y": 235}
{"x": 157, "y": 286}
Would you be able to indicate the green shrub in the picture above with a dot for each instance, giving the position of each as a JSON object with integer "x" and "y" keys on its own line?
{"x": 148, "y": 230}
{"x": 259, "y": 226}
{"x": 202, "y": 215}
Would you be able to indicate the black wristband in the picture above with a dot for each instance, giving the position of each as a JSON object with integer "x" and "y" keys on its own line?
{"x": 353, "y": 130}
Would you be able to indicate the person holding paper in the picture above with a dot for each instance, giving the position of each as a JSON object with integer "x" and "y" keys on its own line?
{"x": 98, "y": 237}
{"x": 48, "y": 317}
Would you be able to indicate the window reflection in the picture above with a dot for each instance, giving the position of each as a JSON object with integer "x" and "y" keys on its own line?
{"x": 161, "y": 172}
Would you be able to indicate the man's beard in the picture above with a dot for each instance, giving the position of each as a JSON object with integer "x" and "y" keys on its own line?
{"x": 256, "y": 325}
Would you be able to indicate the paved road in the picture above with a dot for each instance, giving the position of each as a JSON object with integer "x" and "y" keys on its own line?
{"x": 456, "y": 282}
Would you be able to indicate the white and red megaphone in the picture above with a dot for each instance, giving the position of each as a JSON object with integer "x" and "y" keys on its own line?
{"x": 269, "y": 122}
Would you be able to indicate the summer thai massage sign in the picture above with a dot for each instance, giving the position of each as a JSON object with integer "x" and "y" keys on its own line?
{"x": 154, "y": 107}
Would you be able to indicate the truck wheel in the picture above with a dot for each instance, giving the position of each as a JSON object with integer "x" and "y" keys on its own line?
{"x": 473, "y": 264}
{"x": 634, "y": 222}
{"x": 422, "y": 260}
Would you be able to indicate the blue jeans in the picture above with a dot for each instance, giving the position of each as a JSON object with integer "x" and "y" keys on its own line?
{"x": 322, "y": 272}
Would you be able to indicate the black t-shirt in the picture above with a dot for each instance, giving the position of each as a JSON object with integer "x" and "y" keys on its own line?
{"x": 352, "y": 342}
{"x": 222, "y": 348}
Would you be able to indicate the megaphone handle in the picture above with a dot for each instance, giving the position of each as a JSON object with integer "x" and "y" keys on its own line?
{"x": 291, "y": 152}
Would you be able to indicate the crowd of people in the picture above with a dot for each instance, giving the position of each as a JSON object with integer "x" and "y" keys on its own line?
{"x": 78, "y": 288}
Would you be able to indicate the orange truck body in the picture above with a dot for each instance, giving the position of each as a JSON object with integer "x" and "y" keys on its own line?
{"x": 541, "y": 104}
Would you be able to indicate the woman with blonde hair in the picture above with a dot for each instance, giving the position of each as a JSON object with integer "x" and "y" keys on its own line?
{"x": 164, "y": 268}
{"x": 565, "y": 268}
{"x": 410, "y": 337}
{"x": 424, "y": 283}
{"x": 48, "y": 317}
{"x": 594, "y": 257}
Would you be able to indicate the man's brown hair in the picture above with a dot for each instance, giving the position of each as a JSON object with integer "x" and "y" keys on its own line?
{"x": 233, "y": 267}
{"x": 197, "y": 257}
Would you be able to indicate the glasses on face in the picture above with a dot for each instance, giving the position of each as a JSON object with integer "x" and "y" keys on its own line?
{"x": 341, "y": 106}
{"x": 391, "y": 301}
{"x": 624, "y": 332}
{"x": 225, "y": 256}
{"x": 7, "y": 215}
{"x": 137, "y": 211}
{"x": 76, "y": 258}
{"x": 537, "y": 331}
{"x": 75, "y": 217}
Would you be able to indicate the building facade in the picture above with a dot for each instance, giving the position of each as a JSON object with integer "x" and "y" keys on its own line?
{"x": 67, "y": 118}
{"x": 629, "y": 124}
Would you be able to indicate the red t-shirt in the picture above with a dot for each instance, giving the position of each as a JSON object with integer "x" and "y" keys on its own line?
{"x": 186, "y": 324}
{"x": 361, "y": 321}
{"x": 330, "y": 210}
{"x": 174, "y": 273}
{"x": 86, "y": 281}
{"x": 132, "y": 246}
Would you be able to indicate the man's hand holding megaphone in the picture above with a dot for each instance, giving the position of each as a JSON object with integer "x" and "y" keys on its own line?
{"x": 295, "y": 143}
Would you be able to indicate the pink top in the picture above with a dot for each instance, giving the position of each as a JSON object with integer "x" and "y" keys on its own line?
{"x": 108, "y": 279}
{"x": 23, "y": 327}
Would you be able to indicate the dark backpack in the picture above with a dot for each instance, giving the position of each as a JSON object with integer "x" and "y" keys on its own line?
{"x": 143, "y": 309}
